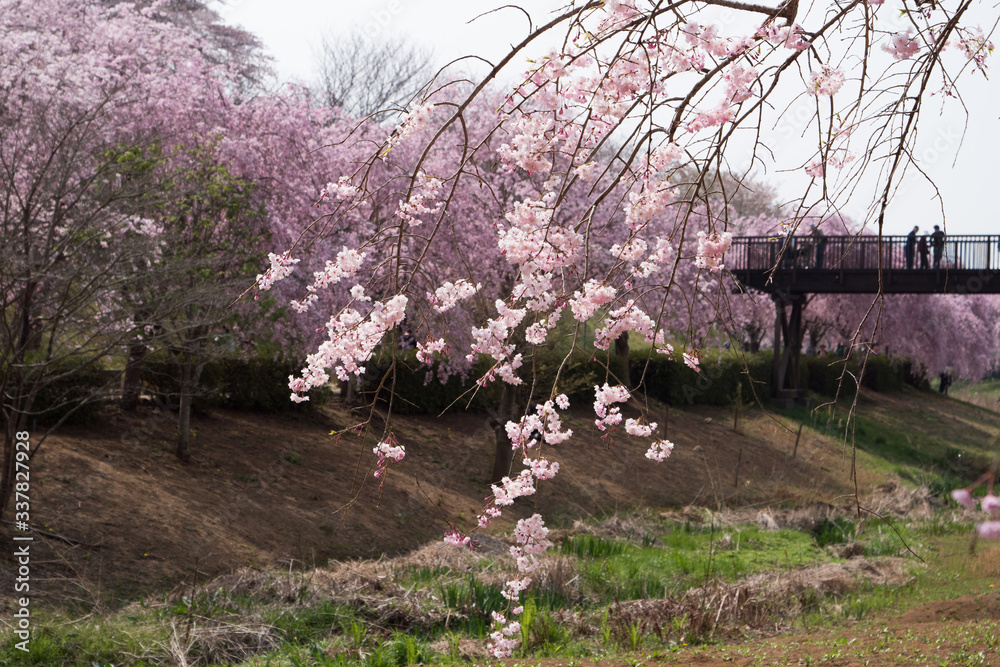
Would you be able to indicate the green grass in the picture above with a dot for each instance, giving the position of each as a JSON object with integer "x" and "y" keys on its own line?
{"x": 686, "y": 557}
{"x": 919, "y": 447}
{"x": 58, "y": 641}
{"x": 319, "y": 632}
{"x": 985, "y": 393}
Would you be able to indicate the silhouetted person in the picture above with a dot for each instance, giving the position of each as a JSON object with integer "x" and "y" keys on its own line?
{"x": 910, "y": 247}
{"x": 819, "y": 238}
{"x": 945, "y": 382}
{"x": 924, "y": 251}
{"x": 937, "y": 242}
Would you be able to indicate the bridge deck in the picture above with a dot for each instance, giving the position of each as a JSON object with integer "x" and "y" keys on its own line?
{"x": 866, "y": 264}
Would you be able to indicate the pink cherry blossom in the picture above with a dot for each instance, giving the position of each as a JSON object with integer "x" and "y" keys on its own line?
{"x": 426, "y": 351}
{"x": 903, "y": 45}
{"x": 449, "y": 294}
{"x": 633, "y": 427}
{"x": 963, "y": 497}
{"x": 281, "y": 267}
{"x": 827, "y": 81}
{"x": 989, "y": 530}
{"x": 387, "y": 451}
{"x": 711, "y": 248}
{"x": 660, "y": 450}
{"x": 457, "y": 538}
{"x": 692, "y": 361}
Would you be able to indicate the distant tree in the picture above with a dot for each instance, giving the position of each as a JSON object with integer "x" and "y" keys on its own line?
{"x": 363, "y": 75}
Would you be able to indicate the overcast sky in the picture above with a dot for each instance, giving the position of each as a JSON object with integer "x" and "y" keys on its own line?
{"x": 291, "y": 32}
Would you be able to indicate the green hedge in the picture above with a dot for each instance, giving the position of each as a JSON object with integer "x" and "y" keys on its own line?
{"x": 673, "y": 382}
{"x": 662, "y": 378}
{"x": 256, "y": 384}
{"x": 69, "y": 386}
{"x": 882, "y": 374}
{"x": 415, "y": 395}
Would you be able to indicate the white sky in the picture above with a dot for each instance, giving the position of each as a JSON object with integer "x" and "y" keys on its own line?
{"x": 291, "y": 31}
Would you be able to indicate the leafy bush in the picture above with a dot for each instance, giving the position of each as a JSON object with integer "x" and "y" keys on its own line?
{"x": 416, "y": 385}
{"x": 882, "y": 374}
{"x": 70, "y": 385}
{"x": 833, "y": 531}
{"x": 257, "y": 384}
{"x": 674, "y": 383}
{"x": 261, "y": 385}
{"x": 419, "y": 390}
{"x": 822, "y": 374}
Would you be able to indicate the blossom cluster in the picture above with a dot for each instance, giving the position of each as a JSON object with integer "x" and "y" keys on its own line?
{"x": 711, "y": 248}
{"x": 348, "y": 263}
{"x": 976, "y": 47}
{"x": 628, "y": 317}
{"x": 903, "y": 45}
{"x": 386, "y": 451}
{"x": 281, "y": 267}
{"x": 351, "y": 340}
{"x": 342, "y": 189}
{"x": 990, "y": 504}
{"x": 604, "y": 397}
{"x": 827, "y": 81}
{"x": 659, "y": 450}
{"x": 425, "y": 351}
{"x": 530, "y": 535}
{"x": 421, "y": 201}
{"x": 545, "y": 422}
{"x": 410, "y": 124}
{"x": 449, "y": 294}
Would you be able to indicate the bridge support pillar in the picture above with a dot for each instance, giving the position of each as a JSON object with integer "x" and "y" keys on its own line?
{"x": 788, "y": 335}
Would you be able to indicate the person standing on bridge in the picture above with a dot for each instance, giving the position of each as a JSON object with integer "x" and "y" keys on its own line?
{"x": 911, "y": 246}
{"x": 819, "y": 240}
{"x": 925, "y": 251}
{"x": 937, "y": 242}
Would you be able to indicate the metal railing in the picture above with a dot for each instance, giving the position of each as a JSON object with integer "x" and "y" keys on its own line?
{"x": 847, "y": 253}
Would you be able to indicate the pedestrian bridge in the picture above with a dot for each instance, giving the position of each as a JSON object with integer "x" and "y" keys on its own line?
{"x": 865, "y": 264}
{"x": 790, "y": 268}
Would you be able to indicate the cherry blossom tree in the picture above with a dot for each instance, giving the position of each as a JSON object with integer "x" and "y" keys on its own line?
{"x": 94, "y": 100}
{"x": 615, "y": 136}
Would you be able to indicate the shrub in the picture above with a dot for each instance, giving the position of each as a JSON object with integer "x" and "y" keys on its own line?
{"x": 883, "y": 374}
{"x": 70, "y": 385}
{"x": 417, "y": 387}
{"x": 674, "y": 383}
{"x": 419, "y": 390}
{"x": 257, "y": 384}
{"x": 822, "y": 374}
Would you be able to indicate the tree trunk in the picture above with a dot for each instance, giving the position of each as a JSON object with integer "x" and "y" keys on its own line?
{"x": 504, "y": 456}
{"x": 621, "y": 350}
{"x": 133, "y": 376}
{"x": 7, "y": 476}
{"x": 190, "y": 372}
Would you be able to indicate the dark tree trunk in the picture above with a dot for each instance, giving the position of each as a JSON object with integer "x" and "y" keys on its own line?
{"x": 133, "y": 376}
{"x": 621, "y": 350}
{"x": 504, "y": 456}
{"x": 190, "y": 372}
{"x": 7, "y": 477}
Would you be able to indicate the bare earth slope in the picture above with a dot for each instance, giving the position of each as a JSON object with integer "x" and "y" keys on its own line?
{"x": 267, "y": 490}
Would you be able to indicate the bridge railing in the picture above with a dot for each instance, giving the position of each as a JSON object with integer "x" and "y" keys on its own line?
{"x": 840, "y": 253}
